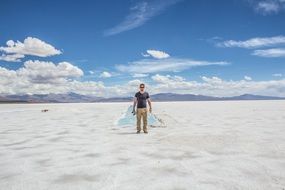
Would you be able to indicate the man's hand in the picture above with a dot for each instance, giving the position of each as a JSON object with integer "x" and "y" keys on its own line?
{"x": 134, "y": 111}
{"x": 150, "y": 110}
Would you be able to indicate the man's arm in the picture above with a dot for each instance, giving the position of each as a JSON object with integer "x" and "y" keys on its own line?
{"x": 134, "y": 106}
{"x": 149, "y": 103}
{"x": 135, "y": 102}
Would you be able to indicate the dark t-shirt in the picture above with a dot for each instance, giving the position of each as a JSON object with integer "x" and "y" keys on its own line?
{"x": 141, "y": 98}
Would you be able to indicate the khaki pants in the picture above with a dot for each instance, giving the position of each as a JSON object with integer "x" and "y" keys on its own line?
{"x": 142, "y": 113}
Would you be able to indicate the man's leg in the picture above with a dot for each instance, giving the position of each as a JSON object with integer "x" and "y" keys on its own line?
{"x": 139, "y": 119}
{"x": 144, "y": 120}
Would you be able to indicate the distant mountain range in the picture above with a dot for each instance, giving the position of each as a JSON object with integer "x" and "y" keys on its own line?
{"x": 76, "y": 98}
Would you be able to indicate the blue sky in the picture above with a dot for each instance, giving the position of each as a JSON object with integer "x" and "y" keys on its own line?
{"x": 107, "y": 48}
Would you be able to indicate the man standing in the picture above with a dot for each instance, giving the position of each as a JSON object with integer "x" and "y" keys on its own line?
{"x": 140, "y": 100}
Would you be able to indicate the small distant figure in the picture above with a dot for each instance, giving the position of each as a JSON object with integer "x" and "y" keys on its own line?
{"x": 140, "y": 99}
{"x": 45, "y": 110}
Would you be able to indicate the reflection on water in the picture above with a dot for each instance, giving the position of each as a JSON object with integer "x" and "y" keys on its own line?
{"x": 128, "y": 119}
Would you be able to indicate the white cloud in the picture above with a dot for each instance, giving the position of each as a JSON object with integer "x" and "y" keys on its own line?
{"x": 274, "y": 52}
{"x": 135, "y": 82}
{"x": 247, "y": 78}
{"x": 254, "y": 42}
{"x": 145, "y": 55}
{"x": 47, "y": 72}
{"x": 215, "y": 86}
{"x": 213, "y": 39}
{"x": 11, "y": 57}
{"x": 139, "y": 15}
{"x": 91, "y": 72}
{"x": 213, "y": 80}
{"x": 267, "y": 7}
{"x": 38, "y": 77}
{"x": 145, "y": 66}
{"x": 7, "y": 76}
{"x": 277, "y": 75}
{"x": 156, "y": 54}
{"x": 35, "y": 81}
{"x": 164, "y": 79}
{"x": 105, "y": 74}
{"x": 139, "y": 75}
{"x": 31, "y": 46}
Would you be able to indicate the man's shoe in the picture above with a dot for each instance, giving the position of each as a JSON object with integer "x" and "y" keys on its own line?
{"x": 145, "y": 131}
{"x": 138, "y": 131}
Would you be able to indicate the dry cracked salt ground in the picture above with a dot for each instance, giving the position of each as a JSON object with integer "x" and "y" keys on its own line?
{"x": 206, "y": 145}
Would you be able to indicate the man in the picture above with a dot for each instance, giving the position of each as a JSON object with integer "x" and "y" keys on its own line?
{"x": 140, "y": 100}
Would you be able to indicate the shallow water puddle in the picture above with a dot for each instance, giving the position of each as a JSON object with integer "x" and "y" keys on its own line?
{"x": 128, "y": 119}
